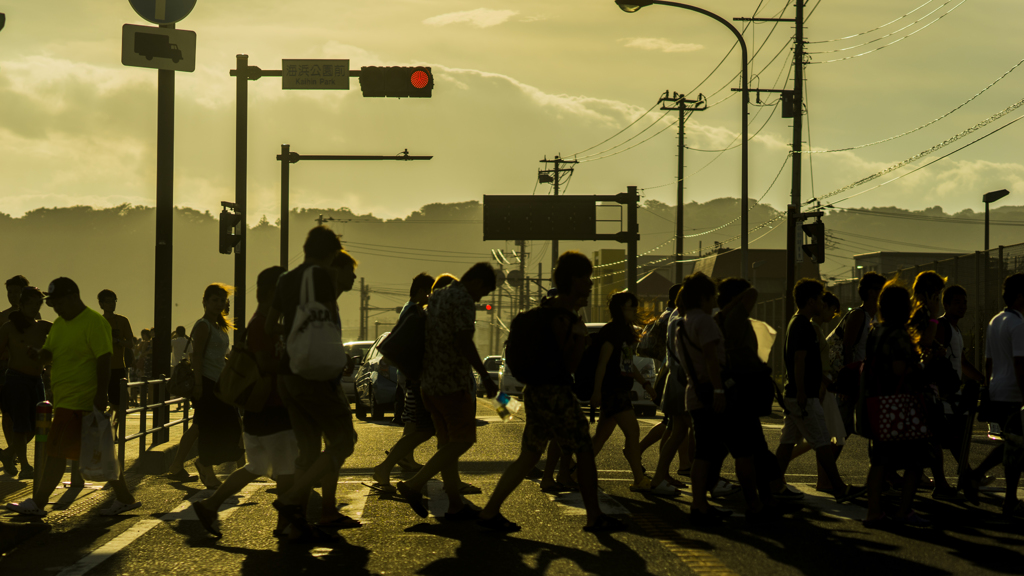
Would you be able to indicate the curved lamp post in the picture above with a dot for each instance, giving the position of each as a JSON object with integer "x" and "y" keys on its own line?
{"x": 635, "y": 5}
{"x": 988, "y": 199}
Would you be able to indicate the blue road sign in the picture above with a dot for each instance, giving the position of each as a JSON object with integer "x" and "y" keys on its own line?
{"x": 163, "y": 11}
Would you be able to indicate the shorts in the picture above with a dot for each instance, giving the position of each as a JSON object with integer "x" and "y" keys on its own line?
{"x": 554, "y": 414}
{"x": 316, "y": 409}
{"x": 615, "y": 403}
{"x": 811, "y": 427}
{"x": 18, "y": 398}
{"x": 114, "y": 386}
{"x": 65, "y": 439}
{"x": 834, "y": 419}
{"x": 414, "y": 410}
{"x": 732, "y": 432}
{"x": 454, "y": 416}
{"x": 272, "y": 455}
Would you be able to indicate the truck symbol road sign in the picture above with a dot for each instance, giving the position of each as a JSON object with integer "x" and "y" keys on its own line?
{"x": 163, "y": 48}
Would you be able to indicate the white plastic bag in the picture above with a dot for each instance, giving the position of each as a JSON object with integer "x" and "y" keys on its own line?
{"x": 97, "y": 460}
{"x": 315, "y": 348}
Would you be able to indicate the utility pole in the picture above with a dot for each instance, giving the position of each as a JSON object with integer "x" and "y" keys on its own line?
{"x": 792, "y": 227}
{"x": 523, "y": 288}
{"x": 680, "y": 103}
{"x": 363, "y": 301}
{"x": 241, "y": 166}
{"x": 545, "y": 176}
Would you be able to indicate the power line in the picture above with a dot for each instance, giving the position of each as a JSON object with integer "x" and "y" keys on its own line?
{"x": 935, "y": 219}
{"x": 890, "y": 43}
{"x": 867, "y": 31}
{"x": 619, "y": 132}
{"x": 966, "y": 102}
{"x": 649, "y": 126}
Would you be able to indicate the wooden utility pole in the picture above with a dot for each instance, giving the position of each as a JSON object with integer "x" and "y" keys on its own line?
{"x": 680, "y": 103}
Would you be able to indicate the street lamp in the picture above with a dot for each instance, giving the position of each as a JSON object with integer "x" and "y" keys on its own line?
{"x": 631, "y": 6}
{"x": 988, "y": 199}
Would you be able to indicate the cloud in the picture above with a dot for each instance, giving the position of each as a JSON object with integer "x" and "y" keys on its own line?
{"x": 481, "y": 17}
{"x": 660, "y": 44}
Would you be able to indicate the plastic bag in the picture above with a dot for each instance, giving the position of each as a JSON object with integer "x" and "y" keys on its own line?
{"x": 98, "y": 460}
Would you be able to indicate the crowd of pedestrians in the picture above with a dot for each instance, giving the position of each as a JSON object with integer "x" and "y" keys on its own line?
{"x": 900, "y": 352}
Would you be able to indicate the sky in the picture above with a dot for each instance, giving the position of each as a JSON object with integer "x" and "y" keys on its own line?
{"x": 514, "y": 82}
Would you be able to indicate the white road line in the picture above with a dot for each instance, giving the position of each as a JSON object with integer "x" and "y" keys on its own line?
{"x": 182, "y": 512}
{"x": 354, "y": 500}
{"x": 571, "y": 503}
{"x": 438, "y": 503}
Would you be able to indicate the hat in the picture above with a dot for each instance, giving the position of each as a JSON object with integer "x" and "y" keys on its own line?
{"x": 61, "y": 287}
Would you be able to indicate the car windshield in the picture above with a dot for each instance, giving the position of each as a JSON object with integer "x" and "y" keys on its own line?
{"x": 492, "y": 363}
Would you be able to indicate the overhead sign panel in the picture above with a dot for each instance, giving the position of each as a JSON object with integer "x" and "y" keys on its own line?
{"x": 163, "y": 11}
{"x": 539, "y": 218}
{"x": 162, "y": 48}
{"x": 314, "y": 74}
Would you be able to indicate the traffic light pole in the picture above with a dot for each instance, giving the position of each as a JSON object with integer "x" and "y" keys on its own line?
{"x": 287, "y": 157}
{"x": 164, "y": 257}
{"x": 241, "y": 183}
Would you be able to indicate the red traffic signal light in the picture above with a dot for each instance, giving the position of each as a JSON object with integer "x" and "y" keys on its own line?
{"x": 489, "y": 308}
{"x": 396, "y": 82}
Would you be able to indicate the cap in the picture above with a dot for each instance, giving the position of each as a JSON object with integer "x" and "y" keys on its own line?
{"x": 61, "y": 287}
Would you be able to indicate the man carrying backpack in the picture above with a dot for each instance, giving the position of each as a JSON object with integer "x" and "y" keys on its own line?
{"x": 549, "y": 343}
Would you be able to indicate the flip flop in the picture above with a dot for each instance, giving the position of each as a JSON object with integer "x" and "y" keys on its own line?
{"x": 467, "y": 488}
{"x": 381, "y": 488}
{"x": 207, "y": 518}
{"x": 467, "y": 513}
{"x": 556, "y": 488}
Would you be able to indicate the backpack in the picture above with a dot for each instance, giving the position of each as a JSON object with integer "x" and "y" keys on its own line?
{"x": 241, "y": 384}
{"x": 314, "y": 344}
{"x": 532, "y": 352}
{"x": 182, "y": 383}
{"x": 586, "y": 372}
{"x": 654, "y": 340}
{"x": 405, "y": 346}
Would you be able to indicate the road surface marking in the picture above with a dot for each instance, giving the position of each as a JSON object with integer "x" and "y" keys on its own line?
{"x": 700, "y": 561}
{"x": 571, "y": 503}
{"x": 182, "y": 512}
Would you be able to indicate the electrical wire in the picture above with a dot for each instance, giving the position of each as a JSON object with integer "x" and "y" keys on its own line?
{"x": 894, "y": 32}
{"x": 890, "y": 43}
{"x": 866, "y": 31}
{"x": 935, "y": 219}
{"x": 934, "y": 148}
{"x": 649, "y": 126}
{"x": 619, "y": 132}
{"x": 966, "y": 102}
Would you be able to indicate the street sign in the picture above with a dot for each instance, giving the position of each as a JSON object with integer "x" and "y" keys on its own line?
{"x": 163, "y": 11}
{"x": 515, "y": 278}
{"x": 314, "y": 74}
{"x": 539, "y": 218}
{"x": 162, "y": 48}
{"x": 499, "y": 277}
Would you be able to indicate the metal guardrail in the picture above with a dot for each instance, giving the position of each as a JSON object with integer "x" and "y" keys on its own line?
{"x": 160, "y": 408}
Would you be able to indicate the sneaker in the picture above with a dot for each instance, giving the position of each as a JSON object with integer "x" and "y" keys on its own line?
{"x": 28, "y": 508}
{"x": 27, "y": 473}
{"x": 788, "y": 493}
{"x": 724, "y": 488}
{"x": 9, "y": 463}
{"x": 117, "y": 507}
{"x": 641, "y": 486}
{"x": 664, "y": 489}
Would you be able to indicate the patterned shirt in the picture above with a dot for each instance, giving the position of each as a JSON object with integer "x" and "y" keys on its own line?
{"x": 450, "y": 310}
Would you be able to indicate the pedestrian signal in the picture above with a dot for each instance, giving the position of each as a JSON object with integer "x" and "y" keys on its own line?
{"x": 816, "y": 249}
{"x": 229, "y": 236}
{"x": 396, "y": 81}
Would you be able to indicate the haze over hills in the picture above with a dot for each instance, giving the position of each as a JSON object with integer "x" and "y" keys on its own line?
{"x": 113, "y": 248}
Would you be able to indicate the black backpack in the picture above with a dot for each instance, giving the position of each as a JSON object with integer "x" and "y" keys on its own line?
{"x": 583, "y": 383}
{"x": 532, "y": 353}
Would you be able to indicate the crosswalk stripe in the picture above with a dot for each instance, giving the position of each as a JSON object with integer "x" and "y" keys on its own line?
{"x": 182, "y": 512}
{"x": 571, "y": 503}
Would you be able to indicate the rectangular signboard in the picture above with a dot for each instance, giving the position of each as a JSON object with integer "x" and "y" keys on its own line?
{"x": 314, "y": 74}
{"x": 540, "y": 217}
{"x": 162, "y": 48}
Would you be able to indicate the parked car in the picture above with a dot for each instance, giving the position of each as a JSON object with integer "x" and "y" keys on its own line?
{"x": 507, "y": 383}
{"x": 375, "y": 383}
{"x": 356, "y": 352}
{"x": 493, "y": 365}
{"x": 643, "y": 404}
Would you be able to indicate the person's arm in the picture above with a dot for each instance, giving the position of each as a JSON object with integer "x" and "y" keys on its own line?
{"x": 102, "y": 380}
{"x": 464, "y": 344}
{"x": 200, "y": 338}
{"x": 988, "y": 373}
{"x": 799, "y": 370}
{"x": 126, "y": 344}
{"x": 710, "y": 350}
{"x": 851, "y": 333}
{"x": 603, "y": 357}
{"x": 970, "y": 371}
{"x": 4, "y": 335}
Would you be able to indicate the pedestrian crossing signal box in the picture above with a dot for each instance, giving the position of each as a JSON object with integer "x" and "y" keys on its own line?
{"x": 229, "y": 239}
{"x": 816, "y": 249}
{"x": 396, "y": 81}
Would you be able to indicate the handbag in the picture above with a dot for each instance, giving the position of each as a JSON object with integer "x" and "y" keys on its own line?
{"x": 241, "y": 384}
{"x": 97, "y": 459}
{"x": 315, "y": 349}
{"x": 405, "y": 345}
{"x": 897, "y": 417}
{"x": 182, "y": 383}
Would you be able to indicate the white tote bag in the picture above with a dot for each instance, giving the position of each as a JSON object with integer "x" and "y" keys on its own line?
{"x": 97, "y": 460}
{"x": 314, "y": 344}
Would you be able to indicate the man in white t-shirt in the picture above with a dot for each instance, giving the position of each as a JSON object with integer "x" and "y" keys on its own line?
{"x": 181, "y": 346}
{"x": 1004, "y": 369}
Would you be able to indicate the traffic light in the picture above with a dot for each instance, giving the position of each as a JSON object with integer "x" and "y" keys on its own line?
{"x": 396, "y": 81}
{"x": 229, "y": 240}
{"x": 816, "y": 249}
{"x": 485, "y": 308}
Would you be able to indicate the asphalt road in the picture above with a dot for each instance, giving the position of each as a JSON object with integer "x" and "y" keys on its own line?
{"x": 816, "y": 536}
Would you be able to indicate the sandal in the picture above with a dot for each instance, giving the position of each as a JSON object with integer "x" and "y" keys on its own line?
{"x": 498, "y": 524}
{"x": 556, "y": 488}
{"x": 605, "y": 523}
{"x": 414, "y": 498}
{"x": 381, "y": 488}
{"x": 467, "y": 488}
{"x": 181, "y": 476}
{"x": 850, "y": 494}
{"x": 207, "y": 519}
{"x": 466, "y": 513}
{"x": 295, "y": 515}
